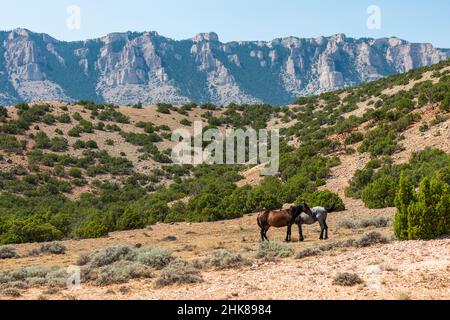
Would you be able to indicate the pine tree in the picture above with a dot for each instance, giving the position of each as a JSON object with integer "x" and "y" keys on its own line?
{"x": 405, "y": 196}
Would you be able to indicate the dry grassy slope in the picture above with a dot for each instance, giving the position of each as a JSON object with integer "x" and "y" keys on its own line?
{"x": 146, "y": 114}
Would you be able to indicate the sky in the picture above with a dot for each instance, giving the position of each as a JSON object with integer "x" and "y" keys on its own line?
{"x": 233, "y": 20}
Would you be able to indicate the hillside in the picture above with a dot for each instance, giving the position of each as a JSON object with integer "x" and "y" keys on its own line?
{"x": 124, "y": 68}
{"x": 344, "y": 142}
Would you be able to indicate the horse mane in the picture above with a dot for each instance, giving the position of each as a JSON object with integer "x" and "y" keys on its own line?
{"x": 306, "y": 208}
{"x": 296, "y": 211}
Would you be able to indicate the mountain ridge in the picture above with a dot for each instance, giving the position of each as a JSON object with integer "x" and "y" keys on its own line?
{"x": 128, "y": 67}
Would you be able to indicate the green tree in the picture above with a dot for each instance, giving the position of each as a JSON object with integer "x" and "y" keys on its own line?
{"x": 428, "y": 217}
{"x": 403, "y": 199}
{"x": 380, "y": 193}
{"x": 323, "y": 198}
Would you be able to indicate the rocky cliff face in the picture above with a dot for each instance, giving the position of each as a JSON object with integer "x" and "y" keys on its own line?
{"x": 126, "y": 68}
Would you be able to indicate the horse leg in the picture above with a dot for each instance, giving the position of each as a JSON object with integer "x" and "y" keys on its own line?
{"x": 322, "y": 227}
{"x": 326, "y": 230}
{"x": 300, "y": 231}
{"x": 265, "y": 233}
{"x": 262, "y": 235}
{"x": 288, "y": 233}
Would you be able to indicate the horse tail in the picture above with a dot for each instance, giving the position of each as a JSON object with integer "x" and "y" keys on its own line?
{"x": 331, "y": 209}
{"x": 257, "y": 220}
{"x": 262, "y": 219}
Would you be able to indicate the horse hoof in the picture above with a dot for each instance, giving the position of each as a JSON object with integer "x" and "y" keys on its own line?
{"x": 302, "y": 239}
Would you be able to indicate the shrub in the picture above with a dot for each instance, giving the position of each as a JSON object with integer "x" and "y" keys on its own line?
{"x": 79, "y": 144}
{"x": 132, "y": 219}
{"x": 164, "y": 108}
{"x": 155, "y": 257}
{"x": 48, "y": 119}
{"x": 354, "y": 223}
{"x": 110, "y": 114}
{"x": 347, "y": 279}
{"x": 268, "y": 195}
{"x": 404, "y": 197}
{"x": 380, "y": 193}
{"x": 11, "y": 292}
{"x": 91, "y": 144}
{"x": 75, "y": 172}
{"x": 223, "y": 259}
{"x": 8, "y": 252}
{"x": 83, "y": 259}
{"x": 64, "y": 118}
{"x": 3, "y": 113}
{"x": 185, "y": 122}
{"x": 118, "y": 272}
{"x": 380, "y": 141}
{"x": 354, "y": 138}
{"x": 273, "y": 250}
{"x": 169, "y": 238}
{"x": 110, "y": 255}
{"x": 75, "y": 132}
{"x": 425, "y": 215}
{"x": 53, "y": 248}
{"x": 77, "y": 116}
{"x": 36, "y": 276}
{"x": 309, "y": 252}
{"x": 326, "y": 199}
{"x": 10, "y": 144}
{"x": 58, "y": 144}
{"x": 370, "y": 239}
{"x": 112, "y": 265}
{"x": 178, "y": 272}
{"x": 91, "y": 229}
{"x": 30, "y": 230}
{"x": 424, "y": 127}
{"x": 42, "y": 141}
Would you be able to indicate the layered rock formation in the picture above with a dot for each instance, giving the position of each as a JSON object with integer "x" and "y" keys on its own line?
{"x": 125, "y": 68}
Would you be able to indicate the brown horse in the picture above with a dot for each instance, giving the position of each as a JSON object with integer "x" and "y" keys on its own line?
{"x": 280, "y": 219}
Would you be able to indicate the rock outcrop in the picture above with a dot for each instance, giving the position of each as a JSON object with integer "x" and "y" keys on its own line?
{"x": 125, "y": 68}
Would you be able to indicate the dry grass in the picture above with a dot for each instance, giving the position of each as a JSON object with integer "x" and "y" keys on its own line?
{"x": 223, "y": 259}
{"x": 157, "y": 258}
{"x": 309, "y": 252}
{"x": 273, "y": 250}
{"x": 354, "y": 223}
{"x": 49, "y": 248}
{"x": 347, "y": 279}
{"x": 11, "y": 292}
{"x": 178, "y": 272}
{"x": 120, "y": 264}
{"x": 8, "y": 252}
{"x": 21, "y": 279}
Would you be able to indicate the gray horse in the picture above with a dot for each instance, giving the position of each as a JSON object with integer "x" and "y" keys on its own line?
{"x": 318, "y": 214}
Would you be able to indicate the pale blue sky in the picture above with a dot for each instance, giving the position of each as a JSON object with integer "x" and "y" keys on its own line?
{"x": 418, "y": 21}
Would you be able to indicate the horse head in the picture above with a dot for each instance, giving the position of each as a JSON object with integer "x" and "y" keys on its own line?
{"x": 306, "y": 209}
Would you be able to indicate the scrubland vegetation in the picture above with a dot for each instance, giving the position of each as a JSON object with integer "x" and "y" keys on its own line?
{"x": 35, "y": 202}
